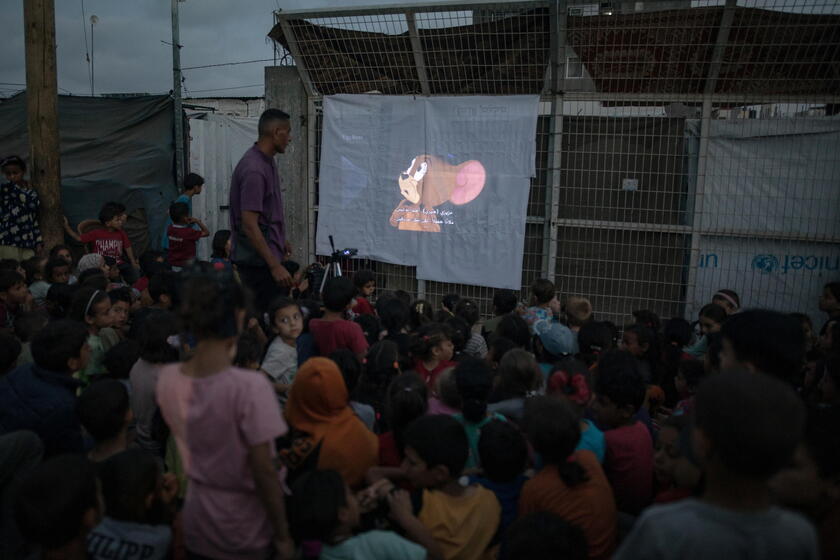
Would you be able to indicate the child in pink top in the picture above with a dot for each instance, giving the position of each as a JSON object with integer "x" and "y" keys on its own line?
{"x": 224, "y": 421}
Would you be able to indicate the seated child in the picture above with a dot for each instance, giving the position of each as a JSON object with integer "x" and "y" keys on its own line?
{"x": 711, "y": 319}
{"x": 504, "y": 456}
{"x": 111, "y": 241}
{"x": 281, "y": 359}
{"x": 379, "y": 368}
{"x": 467, "y": 310}
{"x": 365, "y": 283}
{"x": 105, "y": 413}
{"x": 14, "y": 299}
{"x": 138, "y": 509}
{"x": 676, "y": 475}
{"x": 543, "y": 536}
{"x": 553, "y": 341}
{"x": 544, "y": 303}
{"x": 578, "y": 311}
{"x": 504, "y": 302}
{"x": 474, "y": 380}
{"x": 92, "y": 307}
{"x": 36, "y": 277}
{"x": 518, "y": 377}
{"x": 323, "y": 508}
{"x": 569, "y": 382}
{"x": 643, "y": 344}
{"x": 446, "y": 399}
{"x": 333, "y": 331}
{"x": 221, "y": 248}
{"x": 351, "y": 369}
{"x": 727, "y": 299}
{"x": 461, "y": 519}
{"x": 56, "y": 504}
{"x": 747, "y": 428}
{"x": 572, "y": 483}
{"x": 765, "y": 341}
{"x": 628, "y": 462}
{"x": 248, "y": 351}
{"x": 119, "y": 360}
{"x": 182, "y": 236}
{"x": 406, "y": 401}
{"x": 432, "y": 350}
{"x": 689, "y": 375}
{"x": 27, "y": 325}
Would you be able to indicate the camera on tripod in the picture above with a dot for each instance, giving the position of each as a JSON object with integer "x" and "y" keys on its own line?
{"x": 342, "y": 253}
{"x": 333, "y": 268}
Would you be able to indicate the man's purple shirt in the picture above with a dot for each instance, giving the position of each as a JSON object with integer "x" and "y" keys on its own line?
{"x": 255, "y": 187}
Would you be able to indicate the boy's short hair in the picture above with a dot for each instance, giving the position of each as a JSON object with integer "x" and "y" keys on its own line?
{"x": 619, "y": 379}
{"x": 350, "y": 367}
{"x": 28, "y": 323}
{"x": 248, "y": 350}
{"x": 753, "y": 421}
{"x": 578, "y": 311}
{"x": 121, "y": 294}
{"x": 9, "y": 279}
{"x": 338, "y": 293}
{"x": 502, "y": 450}
{"x": 314, "y": 503}
{"x": 467, "y": 309}
{"x": 127, "y": 478}
{"x": 57, "y": 343}
{"x": 439, "y": 439}
{"x": 120, "y": 358}
{"x": 513, "y": 327}
{"x": 31, "y": 267}
{"x": 771, "y": 341}
{"x": 500, "y": 346}
{"x": 110, "y": 211}
{"x": 362, "y": 277}
{"x": 543, "y": 290}
{"x": 52, "y": 264}
{"x": 553, "y": 428}
{"x": 178, "y": 211}
{"x": 504, "y": 301}
{"x": 193, "y": 180}
{"x": 545, "y": 536}
{"x": 165, "y": 283}
{"x": 153, "y": 336}
{"x": 52, "y": 499}
{"x": 93, "y": 278}
{"x": 102, "y": 408}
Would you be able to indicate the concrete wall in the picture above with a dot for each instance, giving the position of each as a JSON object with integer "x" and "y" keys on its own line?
{"x": 284, "y": 91}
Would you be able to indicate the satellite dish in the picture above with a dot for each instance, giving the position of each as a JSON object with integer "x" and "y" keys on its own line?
{"x": 94, "y": 20}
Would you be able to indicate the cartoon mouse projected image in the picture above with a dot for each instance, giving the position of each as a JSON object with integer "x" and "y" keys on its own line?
{"x": 429, "y": 182}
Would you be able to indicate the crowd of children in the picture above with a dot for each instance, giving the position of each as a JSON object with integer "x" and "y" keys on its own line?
{"x": 149, "y": 410}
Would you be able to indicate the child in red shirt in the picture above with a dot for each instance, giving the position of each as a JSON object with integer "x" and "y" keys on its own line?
{"x": 333, "y": 331}
{"x": 432, "y": 350}
{"x": 112, "y": 241}
{"x": 182, "y": 237}
{"x": 365, "y": 284}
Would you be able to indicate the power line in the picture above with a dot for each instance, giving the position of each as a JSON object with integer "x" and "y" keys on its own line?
{"x": 227, "y": 64}
{"x": 87, "y": 52}
{"x": 226, "y": 88}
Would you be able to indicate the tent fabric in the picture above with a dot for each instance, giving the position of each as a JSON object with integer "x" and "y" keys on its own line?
{"x": 112, "y": 149}
{"x": 217, "y": 143}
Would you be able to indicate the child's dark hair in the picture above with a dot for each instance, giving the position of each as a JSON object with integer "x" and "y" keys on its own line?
{"x": 338, "y": 293}
{"x": 317, "y": 496}
{"x": 120, "y": 358}
{"x": 773, "y": 342}
{"x": 380, "y": 368}
{"x": 450, "y": 301}
{"x": 503, "y": 451}
{"x": 276, "y": 305}
{"x": 619, "y": 379}
{"x": 753, "y": 422}
{"x": 475, "y": 381}
{"x": 648, "y": 318}
{"x": 93, "y": 278}
{"x": 518, "y": 374}
{"x": 504, "y": 301}
{"x": 9, "y": 352}
{"x": 714, "y": 312}
{"x": 57, "y": 249}
{"x": 467, "y": 310}
{"x": 51, "y": 500}
{"x": 544, "y": 536}
{"x": 403, "y": 296}
{"x": 513, "y": 327}
{"x": 193, "y": 180}
{"x": 730, "y": 296}
{"x": 178, "y": 212}
{"x": 32, "y": 267}
{"x": 122, "y": 294}
{"x": 59, "y": 299}
{"x": 370, "y": 327}
{"x": 209, "y": 303}
{"x": 220, "y": 239}
{"x": 28, "y": 323}
{"x": 428, "y": 337}
{"x": 102, "y": 409}
{"x": 676, "y": 334}
{"x": 58, "y": 342}
{"x": 594, "y": 340}
{"x": 248, "y": 350}
{"x": 542, "y": 291}
{"x": 393, "y": 313}
{"x": 9, "y": 264}
{"x": 499, "y": 346}
{"x": 362, "y": 277}
{"x": 164, "y": 283}
{"x": 421, "y": 313}
{"x": 350, "y": 367}
{"x": 127, "y": 479}
{"x": 693, "y": 373}
{"x": 407, "y": 400}
{"x": 9, "y": 279}
{"x": 149, "y": 263}
{"x": 439, "y": 439}
{"x": 154, "y": 336}
{"x": 553, "y": 428}
{"x": 110, "y": 210}
{"x": 85, "y": 301}
{"x": 13, "y": 160}
{"x": 461, "y": 333}
{"x": 646, "y": 335}
{"x": 52, "y": 264}
{"x": 715, "y": 346}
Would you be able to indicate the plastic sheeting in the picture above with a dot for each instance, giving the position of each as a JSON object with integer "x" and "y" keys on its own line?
{"x": 112, "y": 149}
{"x": 217, "y": 143}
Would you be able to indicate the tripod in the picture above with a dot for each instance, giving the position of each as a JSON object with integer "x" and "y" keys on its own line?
{"x": 333, "y": 268}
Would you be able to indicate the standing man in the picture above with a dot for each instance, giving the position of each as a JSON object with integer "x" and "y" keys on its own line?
{"x": 256, "y": 212}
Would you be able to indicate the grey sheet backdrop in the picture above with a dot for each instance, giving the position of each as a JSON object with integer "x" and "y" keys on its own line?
{"x": 112, "y": 149}
{"x": 368, "y": 140}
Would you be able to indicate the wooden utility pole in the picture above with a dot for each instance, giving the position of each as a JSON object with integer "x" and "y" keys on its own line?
{"x": 42, "y": 115}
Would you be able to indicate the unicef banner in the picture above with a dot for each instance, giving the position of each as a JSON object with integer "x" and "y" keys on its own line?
{"x": 783, "y": 275}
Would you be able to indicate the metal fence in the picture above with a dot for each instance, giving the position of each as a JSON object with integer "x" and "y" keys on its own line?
{"x": 639, "y": 201}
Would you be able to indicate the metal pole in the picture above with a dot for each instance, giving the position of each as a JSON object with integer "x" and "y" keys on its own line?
{"x": 92, "y": 67}
{"x": 176, "y": 94}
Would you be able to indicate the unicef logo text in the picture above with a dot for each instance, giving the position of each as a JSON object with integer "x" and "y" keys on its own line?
{"x": 765, "y": 264}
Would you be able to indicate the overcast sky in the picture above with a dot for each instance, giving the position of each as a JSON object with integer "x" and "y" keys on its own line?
{"x": 129, "y": 55}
